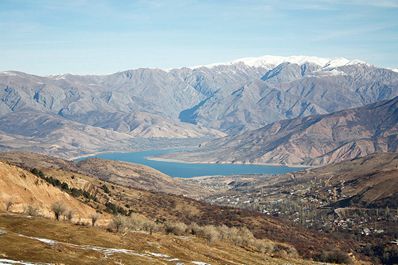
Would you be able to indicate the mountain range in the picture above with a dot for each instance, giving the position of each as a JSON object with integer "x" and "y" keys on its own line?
{"x": 70, "y": 114}
{"x": 313, "y": 140}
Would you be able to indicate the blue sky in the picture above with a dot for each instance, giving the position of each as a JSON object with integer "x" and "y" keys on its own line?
{"x": 103, "y": 36}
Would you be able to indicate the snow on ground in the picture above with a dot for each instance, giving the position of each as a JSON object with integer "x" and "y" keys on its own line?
{"x": 19, "y": 262}
{"x": 44, "y": 240}
{"x": 104, "y": 250}
{"x": 160, "y": 255}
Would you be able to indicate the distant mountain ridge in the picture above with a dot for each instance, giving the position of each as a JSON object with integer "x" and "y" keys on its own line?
{"x": 313, "y": 140}
{"x": 271, "y": 60}
{"x": 211, "y": 101}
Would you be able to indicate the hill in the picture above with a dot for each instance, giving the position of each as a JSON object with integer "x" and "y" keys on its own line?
{"x": 21, "y": 191}
{"x": 39, "y": 240}
{"x": 135, "y": 175}
{"x": 125, "y": 174}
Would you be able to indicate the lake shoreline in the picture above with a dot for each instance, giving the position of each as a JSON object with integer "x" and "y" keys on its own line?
{"x": 173, "y": 160}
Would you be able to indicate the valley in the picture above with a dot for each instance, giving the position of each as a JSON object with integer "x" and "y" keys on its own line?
{"x": 198, "y": 132}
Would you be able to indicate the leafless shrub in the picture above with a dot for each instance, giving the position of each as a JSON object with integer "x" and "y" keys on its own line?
{"x": 224, "y": 232}
{"x": 194, "y": 229}
{"x": 31, "y": 211}
{"x": 8, "y": 204}
{"x": 94, "y": 218}
{"x": 58, "y": 209}
{"x": 262, "y": 246}
{"x": 210, "y": 233}
{"x": 139, "y": 222}
{"x": 117, "y": 224}
{"x": 246, "y": 236}
{"x": 69, "y": 215}
{"x": 176, "y": 228}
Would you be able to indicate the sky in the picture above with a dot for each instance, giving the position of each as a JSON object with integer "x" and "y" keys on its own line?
{"x": 103, "y": 36}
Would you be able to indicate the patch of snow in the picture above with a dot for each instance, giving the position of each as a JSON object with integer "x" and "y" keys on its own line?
{"x": 337, "y": 62}
{"x": 327, "y": 72}
{"x": 268, "y": 60}
{"x": 46, "y": 241}
{"x": 9, "y": 73}
{"x": 200, "y": 263}
{"x": 394, "y": 70}
{"x": 43, "y": 240}
{"x": 103, "y": 250}
{"x": 10, "y": 261}
{"x": 110, "y": 251}
{"x": 172, "y": 259}
{"x": 159, "y": 255}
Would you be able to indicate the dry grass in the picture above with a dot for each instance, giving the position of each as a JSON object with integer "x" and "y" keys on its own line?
{"x": 185, "y": 249}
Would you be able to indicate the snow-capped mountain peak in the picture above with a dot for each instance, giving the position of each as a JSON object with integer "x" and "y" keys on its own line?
{"x": 268, "y": 61}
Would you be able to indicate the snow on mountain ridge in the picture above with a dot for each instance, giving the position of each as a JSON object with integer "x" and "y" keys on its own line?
{"x": 268, "y": 61}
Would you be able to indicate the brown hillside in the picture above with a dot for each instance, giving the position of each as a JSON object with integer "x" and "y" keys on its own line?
{"x": 22, "y": 189}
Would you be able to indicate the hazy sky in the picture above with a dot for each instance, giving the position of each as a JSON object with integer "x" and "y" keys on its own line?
{"x": 103, "y": 36}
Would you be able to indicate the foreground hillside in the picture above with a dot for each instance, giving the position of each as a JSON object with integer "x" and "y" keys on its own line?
{"x": 40, "y": 240}
{"x": 313, "y": 140}
{"x": 162, "y": 208}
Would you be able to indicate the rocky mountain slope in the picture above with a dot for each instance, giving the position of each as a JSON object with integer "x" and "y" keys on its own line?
{"x": 188, "y": 102}
{"x": 313, "y": 140}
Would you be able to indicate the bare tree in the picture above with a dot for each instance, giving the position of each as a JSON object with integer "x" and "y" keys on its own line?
{"x": 118, "y": 223}
{"x": 69, "y": 215}
{"x": 94, "y": 218}
{"x": 58, "y": 209}
{"x": 31, "y": 211}
{"x": 9, "y": 203}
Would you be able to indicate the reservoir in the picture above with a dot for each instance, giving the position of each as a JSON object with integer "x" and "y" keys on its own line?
{"x": 188, "y": 170}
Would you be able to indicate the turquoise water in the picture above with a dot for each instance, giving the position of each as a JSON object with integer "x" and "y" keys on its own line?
{"x": 188, "y": 170}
